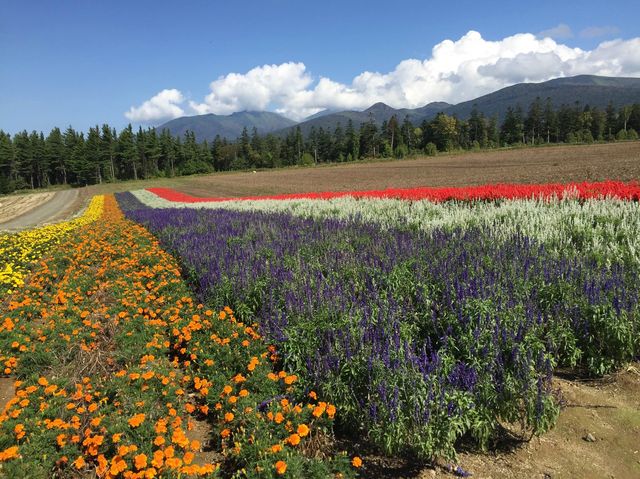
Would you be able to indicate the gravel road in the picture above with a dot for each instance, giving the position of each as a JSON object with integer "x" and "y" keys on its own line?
{"x": 57, "y": 208}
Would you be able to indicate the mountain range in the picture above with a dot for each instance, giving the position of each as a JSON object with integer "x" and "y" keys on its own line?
{"x": 595, "y": 91}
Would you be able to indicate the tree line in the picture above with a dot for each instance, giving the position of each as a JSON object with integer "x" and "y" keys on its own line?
{"x": 31, "y": 160}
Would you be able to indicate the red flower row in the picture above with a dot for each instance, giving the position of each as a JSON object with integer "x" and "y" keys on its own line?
{"x": 614, "y": 189}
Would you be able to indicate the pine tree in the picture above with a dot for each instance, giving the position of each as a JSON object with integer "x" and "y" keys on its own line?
{"x": 127, "y": 154}
{"x": 108, "y": 141}
{"x": 7, "y": 164}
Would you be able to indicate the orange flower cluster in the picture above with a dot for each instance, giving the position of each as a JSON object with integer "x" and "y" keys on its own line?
{"x": 125, "y": 362}
{"x": 104, "y": 307}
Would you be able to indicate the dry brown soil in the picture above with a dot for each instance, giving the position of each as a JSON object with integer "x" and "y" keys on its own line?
{"x": 614, "y": 161}
{"x": 618, "y": 161}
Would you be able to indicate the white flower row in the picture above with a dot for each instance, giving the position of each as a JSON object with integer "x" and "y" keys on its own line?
{"x": 606, "y": 227}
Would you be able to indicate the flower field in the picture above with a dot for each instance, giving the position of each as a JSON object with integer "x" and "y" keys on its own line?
{"x": 471, "y": 303}
{"x": 19, "y": 250}
{"x": 416, "y": 319}
{"x": 116, "y": 363}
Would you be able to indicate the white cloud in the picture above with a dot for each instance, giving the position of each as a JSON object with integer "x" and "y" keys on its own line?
{"x": 163, "y": 106}
{"x": 455, "y": 71}
{"x": 560, "y": 31}
{"x": 595, "y": 32}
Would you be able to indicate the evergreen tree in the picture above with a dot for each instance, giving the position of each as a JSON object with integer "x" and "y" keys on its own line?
{"x": 352, "y": 142}
{"x": 8, "y": 171}
{"x": 127, "y": 154}
{"x": 108, "y": 147}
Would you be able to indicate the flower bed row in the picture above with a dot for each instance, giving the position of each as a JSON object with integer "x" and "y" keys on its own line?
{"x": 19, "y": 250}
{"x": 584, "y": 190}
{"x": 419, "y": 337}
{"x": 116, "y": 364}
{"x": 607, "y": 230}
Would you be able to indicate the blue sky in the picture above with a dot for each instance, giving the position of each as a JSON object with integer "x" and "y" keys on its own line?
{"x": 82, "y": 63}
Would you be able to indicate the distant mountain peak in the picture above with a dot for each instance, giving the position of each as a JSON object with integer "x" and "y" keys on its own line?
{"x": 379, "y": 107}
{"x": 207, "y": 127}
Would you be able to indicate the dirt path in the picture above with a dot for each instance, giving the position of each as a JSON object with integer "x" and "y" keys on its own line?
{"x": 7, "y": 387}
{"x": 56, "y": 208}
{"x": 16, "y": 205}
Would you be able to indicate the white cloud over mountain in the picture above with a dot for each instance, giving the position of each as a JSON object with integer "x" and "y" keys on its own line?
{"x": 165, "y": 104}
{"x": 456, "y": 71}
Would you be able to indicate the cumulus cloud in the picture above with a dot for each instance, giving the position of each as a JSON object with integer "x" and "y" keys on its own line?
{"x": 560, "y": 31}
{"x": 455, "y": 71}
{"x": 163, "y": 106}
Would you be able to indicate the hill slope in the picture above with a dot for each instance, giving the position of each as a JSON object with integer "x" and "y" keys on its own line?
{"x": 206, "y": 127}
{"x": 589, "y": 90}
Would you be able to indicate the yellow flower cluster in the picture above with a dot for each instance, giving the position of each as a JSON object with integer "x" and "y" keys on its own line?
{"x": 19, "y": 250}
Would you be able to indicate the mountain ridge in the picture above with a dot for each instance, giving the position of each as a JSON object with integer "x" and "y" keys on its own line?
{"x": 208, "y": 126}
{"x": 596, "y": 91}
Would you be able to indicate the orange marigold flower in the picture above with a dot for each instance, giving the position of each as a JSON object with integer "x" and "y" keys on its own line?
{"x": 303, "y": 430}
{"x": 173, "y": 463}
{"x": 319, "y": 409}
{"x": 281, "y": 467}
{"x": 356, "y": 462}
{"x": 225, "y": 433}
{"x": 79, "y": 463}
{"x": 140, "y": 461}
{"x": 118, "y": 465}
{"x": 136, "y": 420}
{"x": 331, "y": 410}
{"x": 276, "y": 448}
{"x": 158, "y": 459}
{"x": 293, "y": 440}
{"x": 9, "y": 453}
{"x": 228, "y": 417}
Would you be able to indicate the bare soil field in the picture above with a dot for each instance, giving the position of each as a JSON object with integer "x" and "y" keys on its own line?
{"x": 16, "y": 205}
{"x": 613, "y": 161}
{"x": 617, "y": 161}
